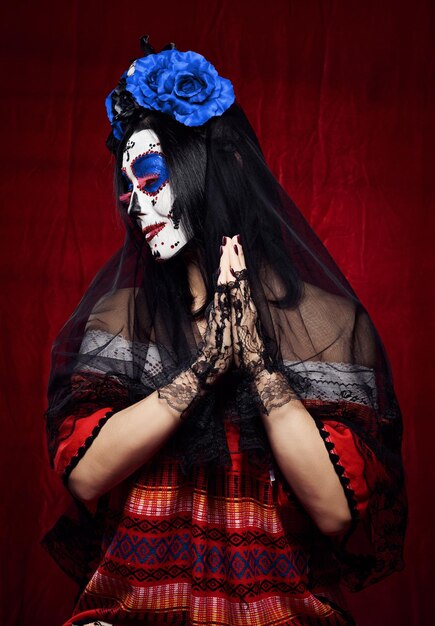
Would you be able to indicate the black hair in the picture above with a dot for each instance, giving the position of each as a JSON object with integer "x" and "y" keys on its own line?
{"x": 222, "y": 186}
{"x": 185, "y": 155}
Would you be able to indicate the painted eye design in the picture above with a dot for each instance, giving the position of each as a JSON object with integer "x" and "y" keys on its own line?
{"x": 149, "y": 183}
{"x": 151, "y": 172}
{"x": 151, "y": 180}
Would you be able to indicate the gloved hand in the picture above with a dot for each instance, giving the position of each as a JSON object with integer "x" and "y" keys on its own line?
{"x": 270, "y": 385}
{"x": 215, "y": 352}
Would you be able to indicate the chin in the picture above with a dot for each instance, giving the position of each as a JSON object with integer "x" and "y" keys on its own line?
{"x": 181, "y": 248}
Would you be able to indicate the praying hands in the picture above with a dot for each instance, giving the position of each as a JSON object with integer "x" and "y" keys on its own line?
{"x": 269, "y": 385}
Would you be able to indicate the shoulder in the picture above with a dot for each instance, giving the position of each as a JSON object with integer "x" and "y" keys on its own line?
{"x": 342, "y": 323}
{"x": 318, "y": 302}
{"x": 114, "y": 312}
{"x": 323, "y": 326}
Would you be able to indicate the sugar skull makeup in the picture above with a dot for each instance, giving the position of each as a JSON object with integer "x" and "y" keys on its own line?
{"x": 149, "y": 196}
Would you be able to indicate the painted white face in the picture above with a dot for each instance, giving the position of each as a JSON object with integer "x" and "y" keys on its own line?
{"x": 149, "y": 196}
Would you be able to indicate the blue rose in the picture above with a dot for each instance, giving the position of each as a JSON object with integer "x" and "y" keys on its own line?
{"x": 182, "y": 84}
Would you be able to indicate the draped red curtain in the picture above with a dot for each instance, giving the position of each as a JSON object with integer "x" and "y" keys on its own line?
{"x": 341, "y": 95}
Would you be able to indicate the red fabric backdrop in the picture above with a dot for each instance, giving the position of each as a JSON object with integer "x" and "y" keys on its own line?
{"x": 342, "y": 97}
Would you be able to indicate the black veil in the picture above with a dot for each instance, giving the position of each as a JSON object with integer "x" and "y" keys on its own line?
{"x": 134, "y": 331}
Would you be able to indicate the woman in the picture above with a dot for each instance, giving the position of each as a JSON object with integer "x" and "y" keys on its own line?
{"x": 221, "y": 407}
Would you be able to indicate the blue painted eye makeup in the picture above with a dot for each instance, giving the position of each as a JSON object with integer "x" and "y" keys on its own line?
{"x": 151, "y": 172}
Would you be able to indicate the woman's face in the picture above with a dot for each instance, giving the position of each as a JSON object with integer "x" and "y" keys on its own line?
{"x": 149, "y": 196}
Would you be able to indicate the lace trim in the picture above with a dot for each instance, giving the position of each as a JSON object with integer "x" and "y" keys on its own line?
{"x": 273, "y": 390}
{"x": 100, "y": 350}
{"x": 332, "y": 381}
{"x": 85, "y": 446}
{"x": 322, "y": 380}
{"x": 340, "y": 469}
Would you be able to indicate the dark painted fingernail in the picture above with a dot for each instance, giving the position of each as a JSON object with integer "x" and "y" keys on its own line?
{"x": 219, "y": 272}
{"x": 232, "y": 272}
{"x": 238, "y": 239}
{"x": 235, "y": 249}
{"x": 224, "y": 240}
{"x": 222, "y": 249}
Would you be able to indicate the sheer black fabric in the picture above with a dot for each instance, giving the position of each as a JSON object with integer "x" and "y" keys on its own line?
{"x": 134, "y": 332}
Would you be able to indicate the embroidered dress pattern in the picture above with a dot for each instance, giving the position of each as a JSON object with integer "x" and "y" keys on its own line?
{"x": 220, "y": 545}
{"x": 207, "y": 530}
{"x": 207, "y": 549}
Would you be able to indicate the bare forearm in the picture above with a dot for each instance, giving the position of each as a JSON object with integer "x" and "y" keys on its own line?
{"x": 295, "y": 440}
{"x": 132, "y": 436}
{"x": 127, "y": 441}
{"x": 304, "y": 461}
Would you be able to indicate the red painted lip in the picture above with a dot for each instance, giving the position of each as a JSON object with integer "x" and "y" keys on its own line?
{"x": 152, "y": 230}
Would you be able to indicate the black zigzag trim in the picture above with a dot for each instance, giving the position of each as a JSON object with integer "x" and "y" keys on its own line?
{"x": 214, "y": 534}
{"x": 146, "y": 525}
{"x": 87, "y": 443}
{"x": 345, "y": 481}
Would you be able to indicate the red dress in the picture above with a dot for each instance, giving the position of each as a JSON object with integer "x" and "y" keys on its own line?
{"x": 220, "y": 546}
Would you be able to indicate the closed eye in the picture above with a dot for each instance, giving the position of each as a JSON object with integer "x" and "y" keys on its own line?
{"x": 147, "y": 181}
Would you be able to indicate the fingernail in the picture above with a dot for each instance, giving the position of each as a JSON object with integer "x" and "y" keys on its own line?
{"x": 219, "y": 272}
{"x": 224, "y": 240}
{"x": 232, "y": 272}
{"x": 221, "y": 249}
{"x": 238, "y": 238}
{"x": 235, "y": 249}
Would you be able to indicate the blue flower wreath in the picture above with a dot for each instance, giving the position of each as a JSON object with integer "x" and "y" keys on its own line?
{"x": 182, "y": 84}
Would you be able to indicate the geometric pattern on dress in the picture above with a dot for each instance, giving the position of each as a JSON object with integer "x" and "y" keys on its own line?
{"x": 150, "y": 500}
{"x": 262, "y": 556}
{"x": 217, "y": 548}
{"x": 186, "y": 605}
{"x": 178, "y": 573}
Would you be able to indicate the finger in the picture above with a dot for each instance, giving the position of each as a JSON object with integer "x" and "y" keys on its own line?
{"x": 227, "y": 334}
{"x": 223, "y": 321}
{"x": 221, "y": 274}
{"x": 225, "y": 275}
{"x": 241, "y": 292}
{"x": 223, "y": 264}
{"x": 235, "y": 255}
{"x": 218, "y": 317}
{"x": 234, "y": 334}
{"x": 238, "y": 251}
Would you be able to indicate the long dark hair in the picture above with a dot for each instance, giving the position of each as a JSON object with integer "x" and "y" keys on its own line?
{"x": 132, "y": 333}
{"x": 222, "y": 186}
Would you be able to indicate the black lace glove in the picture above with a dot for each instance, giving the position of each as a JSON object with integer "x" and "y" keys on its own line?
{"x": 214, "y": 357}
{"x": 268, "y": 383}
